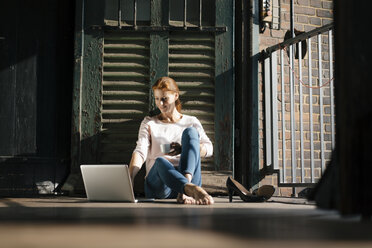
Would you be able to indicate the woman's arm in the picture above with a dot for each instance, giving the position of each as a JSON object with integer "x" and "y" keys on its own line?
{"x": 203, "y": 151}
{"x": 135, "y": 165}
{"x": 206, "y": 146}
{"x": 139, "y": 154}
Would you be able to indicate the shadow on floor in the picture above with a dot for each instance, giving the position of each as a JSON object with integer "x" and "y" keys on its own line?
{"x": 259, "y": 221}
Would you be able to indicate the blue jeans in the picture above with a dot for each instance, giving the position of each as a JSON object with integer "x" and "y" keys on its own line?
{"x": 166, "y": 181}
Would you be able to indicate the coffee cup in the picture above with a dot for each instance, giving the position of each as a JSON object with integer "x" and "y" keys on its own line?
{"x": 165, "y": 148}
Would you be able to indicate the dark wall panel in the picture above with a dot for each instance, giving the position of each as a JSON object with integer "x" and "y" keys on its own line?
{"x": 36, "y": 73}
{"x": 7, "y": 78}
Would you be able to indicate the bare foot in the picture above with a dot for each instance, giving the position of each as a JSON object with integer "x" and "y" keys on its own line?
{"x": 184, "y": 199}
{"x": 199, "y": 194}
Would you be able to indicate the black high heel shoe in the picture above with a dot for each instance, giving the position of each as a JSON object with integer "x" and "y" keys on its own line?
{"x": 234, "y": 186}
{"x": 266, "y": 191}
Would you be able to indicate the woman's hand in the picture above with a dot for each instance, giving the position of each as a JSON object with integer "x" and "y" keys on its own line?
{"x": 135, "y": 165}
{"x": 175, "y": 149}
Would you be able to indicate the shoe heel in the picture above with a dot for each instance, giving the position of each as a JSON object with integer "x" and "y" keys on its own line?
{"x": 231, "y": 192}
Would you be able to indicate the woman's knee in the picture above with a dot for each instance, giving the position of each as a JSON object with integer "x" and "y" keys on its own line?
{"x": 190, "y": 133}
{"x": 160, "y": 160}
{"x": 161, "y": 164}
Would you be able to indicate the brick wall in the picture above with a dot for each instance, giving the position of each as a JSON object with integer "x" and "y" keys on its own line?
{"x": 309, "y": 14}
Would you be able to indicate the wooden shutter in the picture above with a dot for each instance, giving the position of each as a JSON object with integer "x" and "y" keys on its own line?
{"x": 125, "y": 94}
{"x": 191, "y": 64}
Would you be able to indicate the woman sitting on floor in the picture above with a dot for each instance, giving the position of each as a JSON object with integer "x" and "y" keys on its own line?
{"x": 175, "y": 173}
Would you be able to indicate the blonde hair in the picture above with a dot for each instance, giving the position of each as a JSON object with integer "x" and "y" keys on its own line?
{"x": 168, "y": 84}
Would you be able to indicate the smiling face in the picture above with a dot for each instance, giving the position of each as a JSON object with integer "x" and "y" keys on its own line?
{"x": 165, "y": 100}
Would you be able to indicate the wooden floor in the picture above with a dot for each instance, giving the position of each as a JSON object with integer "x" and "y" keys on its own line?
{"x": 75, "y": 222}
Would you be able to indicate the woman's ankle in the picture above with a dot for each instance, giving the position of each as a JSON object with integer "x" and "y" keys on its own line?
{"x": 188, "y": 177}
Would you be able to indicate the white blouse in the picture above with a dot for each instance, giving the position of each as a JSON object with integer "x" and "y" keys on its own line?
{"x": 153, "y": 133}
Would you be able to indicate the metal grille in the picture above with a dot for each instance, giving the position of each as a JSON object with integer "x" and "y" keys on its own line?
{"x": 125, "y": 98}
{"x": 299, "y": 108}
{"x": 191, "y": 64}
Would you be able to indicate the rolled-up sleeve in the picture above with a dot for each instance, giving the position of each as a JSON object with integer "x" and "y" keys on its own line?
{"x": 144, "y": 139}
{"x": 204, "y": 140}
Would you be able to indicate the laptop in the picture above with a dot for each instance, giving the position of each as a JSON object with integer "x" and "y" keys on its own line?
{"x": 107, "y": 182}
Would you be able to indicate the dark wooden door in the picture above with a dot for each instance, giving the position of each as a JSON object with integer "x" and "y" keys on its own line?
{"x": 36, "y": 60}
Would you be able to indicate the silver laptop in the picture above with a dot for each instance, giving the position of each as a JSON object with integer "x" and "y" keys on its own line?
{"x": 107, "y": 182}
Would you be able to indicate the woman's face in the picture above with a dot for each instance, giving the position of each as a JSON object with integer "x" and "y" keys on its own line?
{"x": 165, "y": 100}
